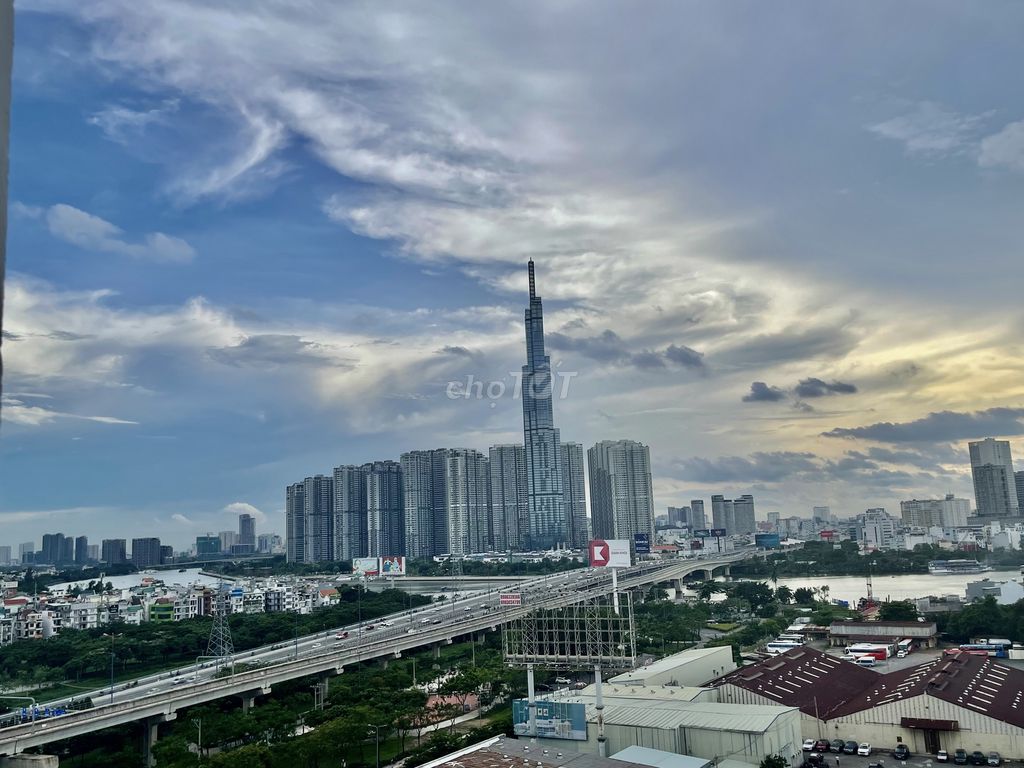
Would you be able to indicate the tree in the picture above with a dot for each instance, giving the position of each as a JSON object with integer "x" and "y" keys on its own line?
{"x": 774, "y": 761}
{"x": 709, "y": 588}
{"x": 804, "y": 596}
{"x": 898, "y": 610}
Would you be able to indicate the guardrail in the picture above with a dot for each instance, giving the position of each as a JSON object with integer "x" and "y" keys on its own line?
{"x": 26, "y": 735}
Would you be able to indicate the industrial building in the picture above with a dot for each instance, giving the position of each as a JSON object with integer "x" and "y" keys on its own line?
{"x": 963, "y": 701}
{"x": 689, "y": 668}
{"x": 923, "y": 633}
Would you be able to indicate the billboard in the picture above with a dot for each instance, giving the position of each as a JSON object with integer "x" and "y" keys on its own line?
{"x": 510, "y": 598}
{"x": 767, "y": 540}
{"x": 392, "y": 565}
{"x": 718, "y": 532}
{"x": 702, "y": 532}
{"x": 555, "y": 719}
{"x": 365, "y": 566}
{"x": 612, "y": 553}
{"x": 642, "y": 543}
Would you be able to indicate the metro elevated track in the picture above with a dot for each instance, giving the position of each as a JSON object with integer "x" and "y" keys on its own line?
{"x": 405, "y": 631}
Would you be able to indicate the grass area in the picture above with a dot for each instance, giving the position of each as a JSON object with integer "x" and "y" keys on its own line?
{"x": 723, "y": 627}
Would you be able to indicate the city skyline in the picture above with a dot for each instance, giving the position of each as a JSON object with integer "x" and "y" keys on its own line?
{"x": 747, "y": 259}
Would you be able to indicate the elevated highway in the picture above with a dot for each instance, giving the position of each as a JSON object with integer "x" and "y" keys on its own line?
{"x": 156, "y": 699}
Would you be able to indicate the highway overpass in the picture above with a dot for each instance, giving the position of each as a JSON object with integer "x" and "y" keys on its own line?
{"x": 157, "y": 698}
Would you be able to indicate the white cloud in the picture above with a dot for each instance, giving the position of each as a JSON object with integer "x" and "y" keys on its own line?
{"x": 95, "y": 234}
{"x": 16, "y": 411}
{"x": 1005, "y": 148}
{"x": 244, "y": 508}
{"x": 931, "y": 129}
{"x": 123, "y": 124}
{"x": 182, "y": 519}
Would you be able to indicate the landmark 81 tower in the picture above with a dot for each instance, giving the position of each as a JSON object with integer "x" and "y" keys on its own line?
{"x": 547, "y": 519}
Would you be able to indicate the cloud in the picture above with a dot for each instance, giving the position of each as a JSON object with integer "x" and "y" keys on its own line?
{"x": 829, "y": 340}
{"x": 813, "y": 387}
{"x": 684, "y": 356}
{"x": 941, "y": 426}
{"x": 16, "y": 411}
{"x": 931, "y": 130}
{"x": 180, "y": 518}
{"x": 124, "y": 124}
{"x": 1004, "y": 149}
{"x": 457, "y": 351}
{"x": 771, "y": 466}
{"x": 647, "y": 360}
{"x": 606, "y": 347}
{"x": 762, "y": 393}
{"x": 92, "y": 233}
{"x": 245, "y": 508}
{"x": 277, "y": 349}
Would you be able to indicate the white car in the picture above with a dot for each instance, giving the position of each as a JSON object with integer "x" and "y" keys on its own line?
{"x": 385, "y": 623}
{"x": 864, "y": 750}
{"x": 318, "y": 645}
{"x": 808, "y": 745}
{"x": 563, "y": 681}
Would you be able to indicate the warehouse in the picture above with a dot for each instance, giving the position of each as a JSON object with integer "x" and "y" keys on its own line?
{"x": 923, "y": 633}
{"x": 964, "y": 701}
{"x": 688, "y": 668}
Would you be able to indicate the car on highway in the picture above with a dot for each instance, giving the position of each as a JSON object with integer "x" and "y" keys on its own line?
{"x": 960, "y": 757}
{"x": 850, "y": 748}
{"x": 864, "y": 750}
{"x": 942, "y": 756}
{"x": 902, "y": 752}
{"x": 563, "y": 681}
{"x": 425, "y": 621}
{"x": 385, "y": 623}
{"x": 808, "y": 745}
{"x": 341, "y": 636}
{"x": 370, "y": 627}
{"x": 318, "y": 645}
{"x": 994, "y": 759}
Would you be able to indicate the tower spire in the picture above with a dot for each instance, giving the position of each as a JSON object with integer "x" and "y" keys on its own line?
{"x": 533, "y": 282}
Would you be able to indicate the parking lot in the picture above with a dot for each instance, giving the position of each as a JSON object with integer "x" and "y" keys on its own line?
{"x": 883, "y": 754}
{"x": 889, "y": 665}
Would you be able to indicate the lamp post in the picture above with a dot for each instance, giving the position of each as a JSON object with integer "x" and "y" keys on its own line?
{"x": 198, "y": 723}
{"x": 376, "y": 738}
{"x": 112, "y": 635}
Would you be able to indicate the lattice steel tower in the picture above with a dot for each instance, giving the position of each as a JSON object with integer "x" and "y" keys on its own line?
{"x": 220, "y": 645}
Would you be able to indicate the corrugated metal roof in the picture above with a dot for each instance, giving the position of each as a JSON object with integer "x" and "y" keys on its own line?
{"x": 715, "y": 717}
{"x": 669, "y": 663}
{"x": 658, "y": 758}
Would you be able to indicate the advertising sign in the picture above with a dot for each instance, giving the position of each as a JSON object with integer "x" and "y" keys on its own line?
{"x": 365, "y": 566}
{"x": 555, "y": 719}
{"x": 613, "y": 553}
{"x": 392, "y": 565}
{"x": 718, "y": 532}
{"x": 702, "y": 532}
{"x": 642, "y": 543}
{"x": 510, "y": 598}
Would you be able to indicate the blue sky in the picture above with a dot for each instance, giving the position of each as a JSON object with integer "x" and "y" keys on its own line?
{"x": 253, "y": 240}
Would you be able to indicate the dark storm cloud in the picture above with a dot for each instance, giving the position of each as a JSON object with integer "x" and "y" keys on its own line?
{"x": 457, "y": 351}
{"x": 684, "y": 356}
{"x": 759, "y": 467}
{"x": 762, "y": 393}
{"x": 813, "y": 387}
{"x": 647, "y": 360}
{"x": 793, "y": 344}
{"x": 274, "y": 349}
{"x": 941, "y": 426}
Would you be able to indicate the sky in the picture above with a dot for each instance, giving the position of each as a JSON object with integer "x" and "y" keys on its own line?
{"x": 252, "y": 240}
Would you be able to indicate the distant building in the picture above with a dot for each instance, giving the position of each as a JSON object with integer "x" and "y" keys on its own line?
{"x": 509, "y": 503}
{"x": 467, "y": 493}
{"x": 207, "y": 545}
{"x": 1005, "y": 592}
{"x": 146, "y": 552}
{"x": 247, "y": 530}
{"x": 349, "y": 500}
{"x": 621, "y": 493}
{"x": 734, "y": 515}
{"x": 81, "y": 550}
{"x": 53, "y": 548}
{"x": 773, "y": 521}
{"x": 426, "y": 503}
{"x": 574, "y": 495}
{"x": 166, "y": 554}
{"x": 679, "y": 517}
{"x": 309, "y": 518}
{"x": 27, "y": 549}
{"x": 385, "y": 509}
{"x": 698, "y": 520}
{"x": 114, "y": 551}
{"x": 228, "y": 539}
{"x": 1018, "y": 481}
{"x": 949, "y": 512}
{"x": 267, "y": 543}
{"x": 295, "y": 523}
{"x": 995, "y": 489}
{"x": 94, "y": 553}
{"x": 5, "y": 555}
{"x": 879, "y": 529}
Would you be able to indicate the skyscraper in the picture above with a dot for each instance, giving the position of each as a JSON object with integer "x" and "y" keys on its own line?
{"x": 385, "y": 509}
{"x": 318, "y": 513}
{"x": 1018, "y": 479}
{"x": 697, "y": 518}
{"x": 295, "y": 522}
{"x": 743, "y": 514}
{"x": 467, "y": 496}
{"x": 509, "y": 504}
{"x": 621, "y": 496}
{"x": 574, "y": 498}
{"x": 5, "y": 555}
{"x": 81, "y": 550}
{"x": 350, "y": 512}
{"x": 949, "y": 512}
{"x": 426, "y": 511}
{"x": 146, "y": 552}
{"x": 54, "y": 551}
{"x": 247, "y": 531}
{"x": 723, "y": 515}
{"x": 995, "y": 490}
{"x": 547, "y": 520}
{"x": 114, "y": 551}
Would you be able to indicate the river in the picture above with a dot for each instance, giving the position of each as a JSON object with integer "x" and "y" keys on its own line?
{"x": 902, "y": 587}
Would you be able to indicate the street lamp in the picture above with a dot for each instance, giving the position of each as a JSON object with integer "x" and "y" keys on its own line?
{"x": 198, "y": 723}
{"x": 112, "y": 635}
{"x": 376, "y": 738}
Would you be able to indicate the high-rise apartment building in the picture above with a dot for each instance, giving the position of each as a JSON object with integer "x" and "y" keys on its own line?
{"x": 823, "y": 515}
{"x": 1018, "y": 480}
{"x": 995, "y": 490}
{"x": 722, "y": 513}
{"x": 247, "y": 531}
{"x": 467, "y": 497}
{"x": 679, "y": 517}
{"x": 295, "y": 522}
{"x": 547, "y": 519}
{"x": 94, "y": 553}
{"x": 114, "y": 551}
{"x": 228, "y": 539}
{"x": 385, "y": 509}
{"x": 736, "y": 516}
{"x": 350, "y": 537}
{"x": 81, "y": 550}
{"x": 318, "y": 511}
{"x": 574, "y": 498}
{"x": 621, "y": 494}
{"x": 879, "y": 530}
{"x": 5, "y": 555}
{"x": 55, "y": 551}
{"x": 207, "y": 545}
{"x": 949, "y": 512}
{"x": 67, "y": 550}
{"x": 509, "y": 504}
{"x": 26, "y": 552}
{"x": 426, "y": 510}
{"x": 146, "y": 552}
{"x": 698, "y": 520}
